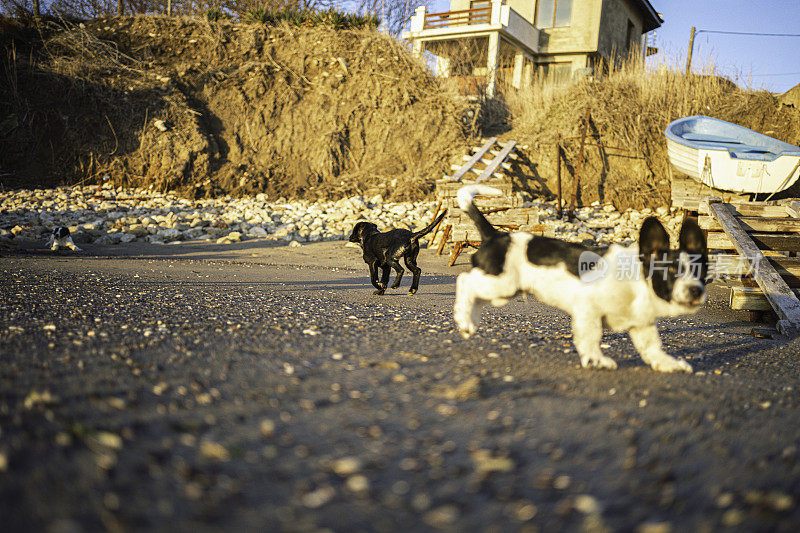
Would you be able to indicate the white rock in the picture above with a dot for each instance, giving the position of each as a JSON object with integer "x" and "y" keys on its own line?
{"x": 169, "y": 234}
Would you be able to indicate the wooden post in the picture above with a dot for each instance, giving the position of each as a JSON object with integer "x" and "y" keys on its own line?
{"x": 169, "y": 8}
{"x": 120, "y": 7}
{"x": 36, "y": 10}
{"x": 579, "y": 165}
{"x": 445, "y": 236}
{"x": 436, "y": 229}
{"x": 560, "y": 211}
{"x": 691, "y": 49}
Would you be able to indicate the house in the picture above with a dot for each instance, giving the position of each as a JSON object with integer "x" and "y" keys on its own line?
{"x": 479, "y": 40}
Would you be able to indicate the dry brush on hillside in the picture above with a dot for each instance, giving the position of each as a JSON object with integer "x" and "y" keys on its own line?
{"x": 630, "y": 109}
{"x": 212, "y": 108}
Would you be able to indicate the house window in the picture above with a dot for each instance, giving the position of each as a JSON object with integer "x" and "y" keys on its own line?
{"x": 553, "y": 13}
{"x": 556, "y": 73}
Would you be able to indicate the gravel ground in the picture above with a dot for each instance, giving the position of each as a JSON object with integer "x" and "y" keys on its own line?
{"x": 210, "y": 387}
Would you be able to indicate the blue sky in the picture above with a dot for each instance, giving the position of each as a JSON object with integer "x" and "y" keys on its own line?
{"x": 771, "y": 63}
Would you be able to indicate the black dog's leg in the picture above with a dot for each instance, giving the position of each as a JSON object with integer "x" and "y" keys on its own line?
{"x": 373, "y": 278}
{"x": 397, "y": 268}
{"x": 385, "y": 271}
{"x": 411, "y": 263}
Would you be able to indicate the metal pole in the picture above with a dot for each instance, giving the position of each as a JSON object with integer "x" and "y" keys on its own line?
{"x": 691, "y": 49}
{"x": 579, "y": 166}
{"x": 560, "y": 211}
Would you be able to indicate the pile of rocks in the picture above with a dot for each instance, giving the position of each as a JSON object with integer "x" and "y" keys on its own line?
{"x": 105, "y": 215}
{"x": 603, "y": 225}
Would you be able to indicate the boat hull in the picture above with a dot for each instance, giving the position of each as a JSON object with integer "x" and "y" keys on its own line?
{"x": 729, "y": 157}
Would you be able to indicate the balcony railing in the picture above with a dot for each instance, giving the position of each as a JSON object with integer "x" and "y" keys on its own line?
{"x": 464, "y": 17}
{"x": 493, "y": 15}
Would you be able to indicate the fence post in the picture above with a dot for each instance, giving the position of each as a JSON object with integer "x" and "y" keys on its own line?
{"x": 689, "y": 56}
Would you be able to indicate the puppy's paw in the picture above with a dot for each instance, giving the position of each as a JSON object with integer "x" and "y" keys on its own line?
{"x": 670, "y": 364}
{"x": 602, "y": 362}
{"x": 464, "y": 324}
{"x": 412, "y": 291}
{"x": 379, "y": 291}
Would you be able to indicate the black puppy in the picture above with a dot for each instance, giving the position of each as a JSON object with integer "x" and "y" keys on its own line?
{"x": 384, "y": 250}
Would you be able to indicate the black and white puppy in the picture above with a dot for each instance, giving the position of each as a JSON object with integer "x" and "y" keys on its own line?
{"x": 384, "y": 251}
{"x": 59, "y": 237}
{"x": 623, "y": 288}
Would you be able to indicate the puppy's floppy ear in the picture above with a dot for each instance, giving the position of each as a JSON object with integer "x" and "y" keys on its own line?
{"x": 692, "y": 239}
{"x": 653, "y": 238}
{"x": 653, "y": 243}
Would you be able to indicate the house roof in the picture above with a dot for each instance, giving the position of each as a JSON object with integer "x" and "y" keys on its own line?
{"x": 652, "y": 19}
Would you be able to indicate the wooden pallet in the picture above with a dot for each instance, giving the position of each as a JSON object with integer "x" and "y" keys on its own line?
{"x": 765, "y": 237}
{"x": 464, "y": 234}
{"x": 504, "y": 212}
{"x": 687, "y": 193}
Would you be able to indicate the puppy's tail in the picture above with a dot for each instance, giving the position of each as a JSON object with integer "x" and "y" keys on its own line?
{"x": 429, "y": 227}
{"x": 465, "y": 197}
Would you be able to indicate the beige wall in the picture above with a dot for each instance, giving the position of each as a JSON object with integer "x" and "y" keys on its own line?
{"x": 616, "y": 14}
{"x": 458, "y": 5}
{"x": 579, "y": 36}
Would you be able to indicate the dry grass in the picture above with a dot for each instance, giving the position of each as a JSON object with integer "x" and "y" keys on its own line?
{"x": 631, "y": 107}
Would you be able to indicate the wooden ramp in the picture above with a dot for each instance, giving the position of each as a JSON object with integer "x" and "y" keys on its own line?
{"x": 758, "y": 242}
{"x": 489, "y": 160}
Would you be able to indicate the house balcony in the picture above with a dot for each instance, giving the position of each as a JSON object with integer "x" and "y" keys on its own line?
{"x": 495, "y": 18}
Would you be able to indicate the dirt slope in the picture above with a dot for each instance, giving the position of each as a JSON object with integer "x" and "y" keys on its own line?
{"x": 225, "y": 108}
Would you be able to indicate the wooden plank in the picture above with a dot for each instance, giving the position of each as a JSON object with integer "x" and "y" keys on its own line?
{"x": 735, "y": 265}
{"x": 510, "y": 156}
{"x": 500, "y": 158}
{"x": 474, "y": 159}
{"x": 793, "y": 209}
{"x": 750, "y": 209}
{"x": 783, "y": 300}
{"x": 764, "y": 241}
{"x": 761, "y": 224}
{"x": 748, "y": 299}
{"x": 486, "y": 161}
{"x": 488, "y": 202}
{"x": 466, "y": 230}
{"x": 452, "y": 188}
{"x": 686, "y": 193}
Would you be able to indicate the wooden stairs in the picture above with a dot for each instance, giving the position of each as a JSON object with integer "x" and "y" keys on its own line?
{"x": 485, "y": 166}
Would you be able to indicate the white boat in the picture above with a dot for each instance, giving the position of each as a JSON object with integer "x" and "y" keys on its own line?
{"x": 731, "y": 157}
